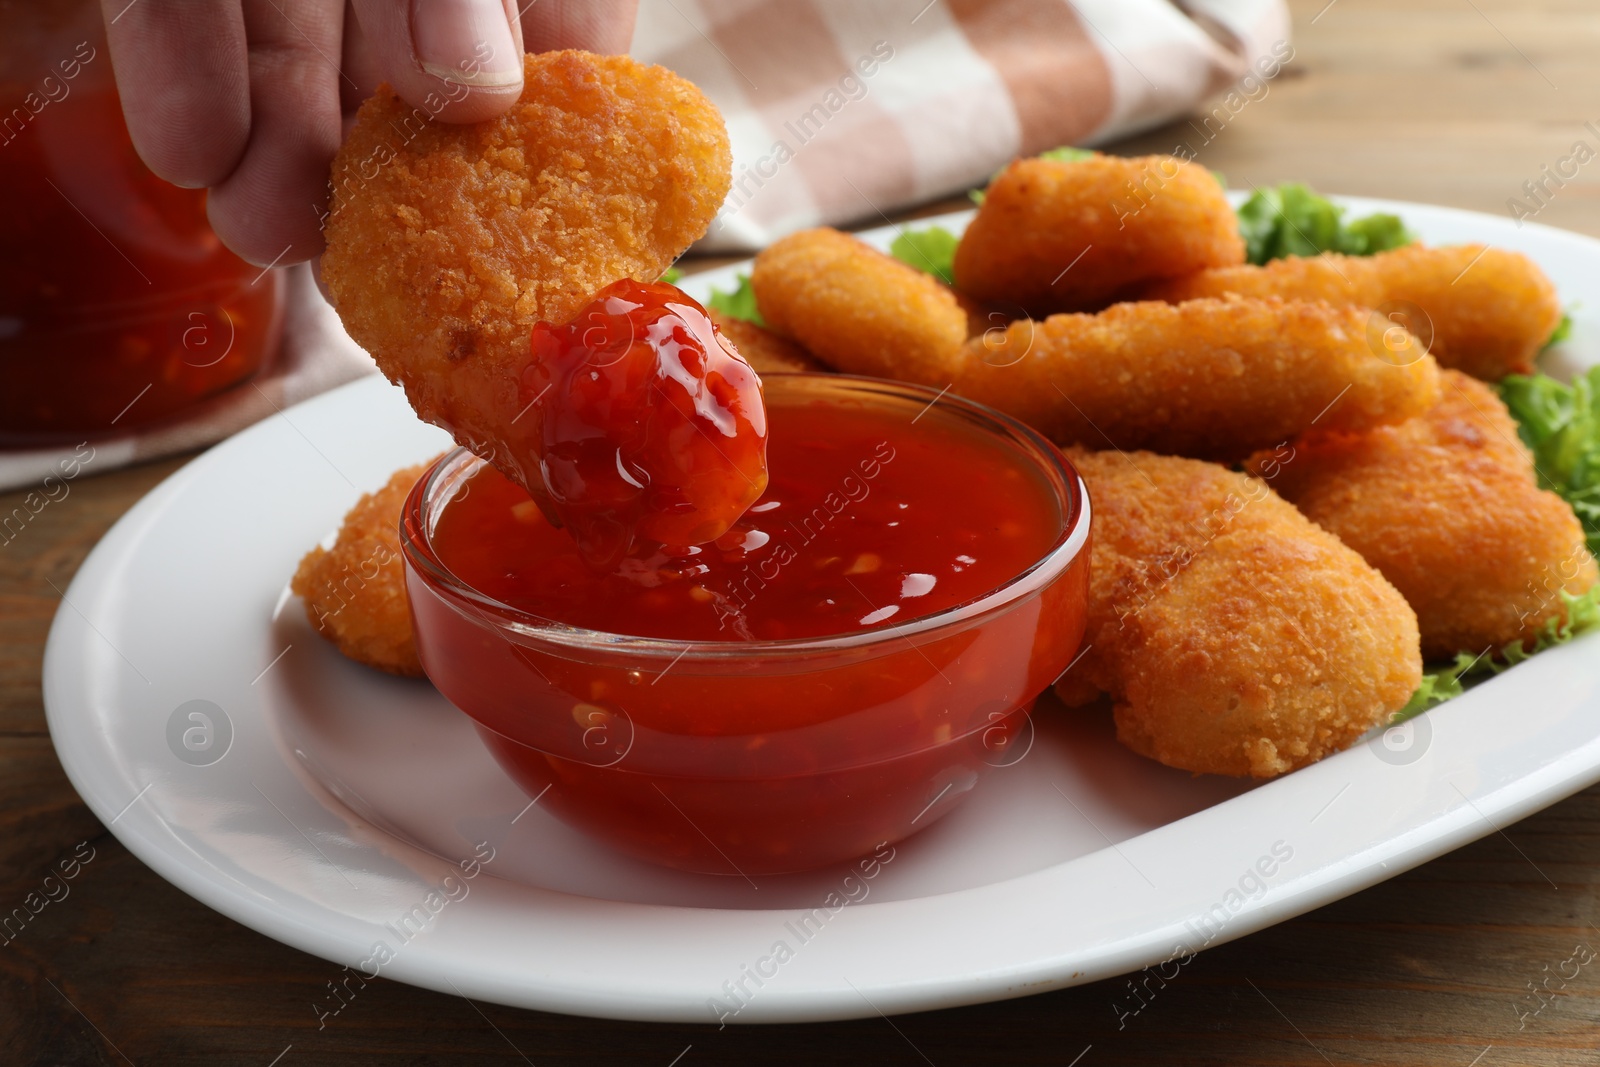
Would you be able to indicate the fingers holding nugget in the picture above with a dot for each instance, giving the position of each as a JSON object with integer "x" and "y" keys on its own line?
{"x": 447, "y": 243}
{"x": 459, "y": 256}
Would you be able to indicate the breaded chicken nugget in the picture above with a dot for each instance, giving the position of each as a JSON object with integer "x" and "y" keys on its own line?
{"x": 446, "y": 242}
{"x": 1232, "y": 635}
{"x": 1074, "y": 236}
{"x": 856, "y": 309}
{"x": 1448, "y": 508}
{"x": 355, "y": 592}
{"x": 1489, "y": 311}
{"x": 763, "y": 349}
{"x": 1215, "y": 379}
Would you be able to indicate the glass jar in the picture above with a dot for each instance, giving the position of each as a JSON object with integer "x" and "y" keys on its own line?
{"x": 118, "y": 305}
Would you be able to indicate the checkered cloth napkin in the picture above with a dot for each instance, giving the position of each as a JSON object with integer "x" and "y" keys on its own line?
{"x": 842, "y": 111}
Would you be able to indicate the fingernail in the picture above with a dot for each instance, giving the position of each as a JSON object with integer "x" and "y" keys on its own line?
{"x": 466, "y": 41}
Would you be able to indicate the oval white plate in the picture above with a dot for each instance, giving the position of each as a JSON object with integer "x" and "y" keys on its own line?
{"x": 337, "y": 814}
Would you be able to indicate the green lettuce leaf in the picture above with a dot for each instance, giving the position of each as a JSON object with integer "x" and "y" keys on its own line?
{"x": 739, "y": 304}
{"x": 1375, "y": 233}
{"x": 1068, "y": 154}
{"x": 1291, "y": 220}
{"x": 672, "y": 275}
{"x": 1562, "y": 331}
{"x": 1582, "y": 615}
{"x": 932, "y": 251}
{"x": 1561, "y": 424}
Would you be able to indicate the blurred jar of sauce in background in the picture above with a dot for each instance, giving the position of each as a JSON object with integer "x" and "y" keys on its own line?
{"x": 119, "y": 308}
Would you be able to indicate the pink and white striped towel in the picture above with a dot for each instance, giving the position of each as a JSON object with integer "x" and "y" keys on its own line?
{"x": 842, "y": 111}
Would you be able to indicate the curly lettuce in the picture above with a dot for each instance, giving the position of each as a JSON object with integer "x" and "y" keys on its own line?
{"x": 1068, "y": 154}
{"x": 931, "y": 250}
{"x": 1582, "y": 615}
{"x": 1291, "y": 220}
{"x": 738, "y": 304}
{"x": 1560, "y": 423}
{"x": 1562, "y": 331}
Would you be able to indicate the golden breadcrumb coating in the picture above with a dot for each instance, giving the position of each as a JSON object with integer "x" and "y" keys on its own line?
{"x": 1489, "y": 311}
{"x": 1075, "y": 236}
{"x": 1232, "y": 635}
{"x": 355, "y": 592}
{"x": 762, "y": 349}
{"x": 1448, "y": 508}
{"x": 446, "y": 243}
{"x": 858, "y": 310}
{"x": 1214, "y": 379}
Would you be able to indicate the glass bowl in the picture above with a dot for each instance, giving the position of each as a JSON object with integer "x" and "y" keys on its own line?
{"x": 761, "y": 757}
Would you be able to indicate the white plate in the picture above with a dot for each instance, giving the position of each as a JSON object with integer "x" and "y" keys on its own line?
{"x": 344, "y": 798}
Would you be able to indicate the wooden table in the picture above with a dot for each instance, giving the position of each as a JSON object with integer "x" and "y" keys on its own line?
{"x": 1450, "y": 101}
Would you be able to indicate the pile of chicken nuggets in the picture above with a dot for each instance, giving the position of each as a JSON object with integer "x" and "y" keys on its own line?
{"x": 1301, "y": 485}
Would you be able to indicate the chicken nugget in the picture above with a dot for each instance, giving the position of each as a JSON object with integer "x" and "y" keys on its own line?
{"x": 1481, "y": 310}
{"x": 1232, "y": 634}
{"x": 355, "y": 592}
{"x": 1448, "y": 508}
{"x": 447, "y": 242}
{"x": 1214, "y": 379}
{"x": 1055, "y": 236}
{"x": 858, "y": 310}
{"x": 452, "y": 249}
{"x": 762, "y": 349}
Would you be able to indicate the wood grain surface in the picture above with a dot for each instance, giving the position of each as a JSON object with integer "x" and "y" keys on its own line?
{"x": 1449, "y": 101}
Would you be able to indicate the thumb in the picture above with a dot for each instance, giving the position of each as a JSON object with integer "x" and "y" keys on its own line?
{"x": 461, "y": 60}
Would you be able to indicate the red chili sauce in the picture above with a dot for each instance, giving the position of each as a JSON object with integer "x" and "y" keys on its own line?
{"x": 874, "y": 510}
{"x": 864, "y": 523}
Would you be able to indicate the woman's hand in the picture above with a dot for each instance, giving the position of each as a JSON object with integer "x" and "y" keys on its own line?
{"x": 249, "y": 98}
